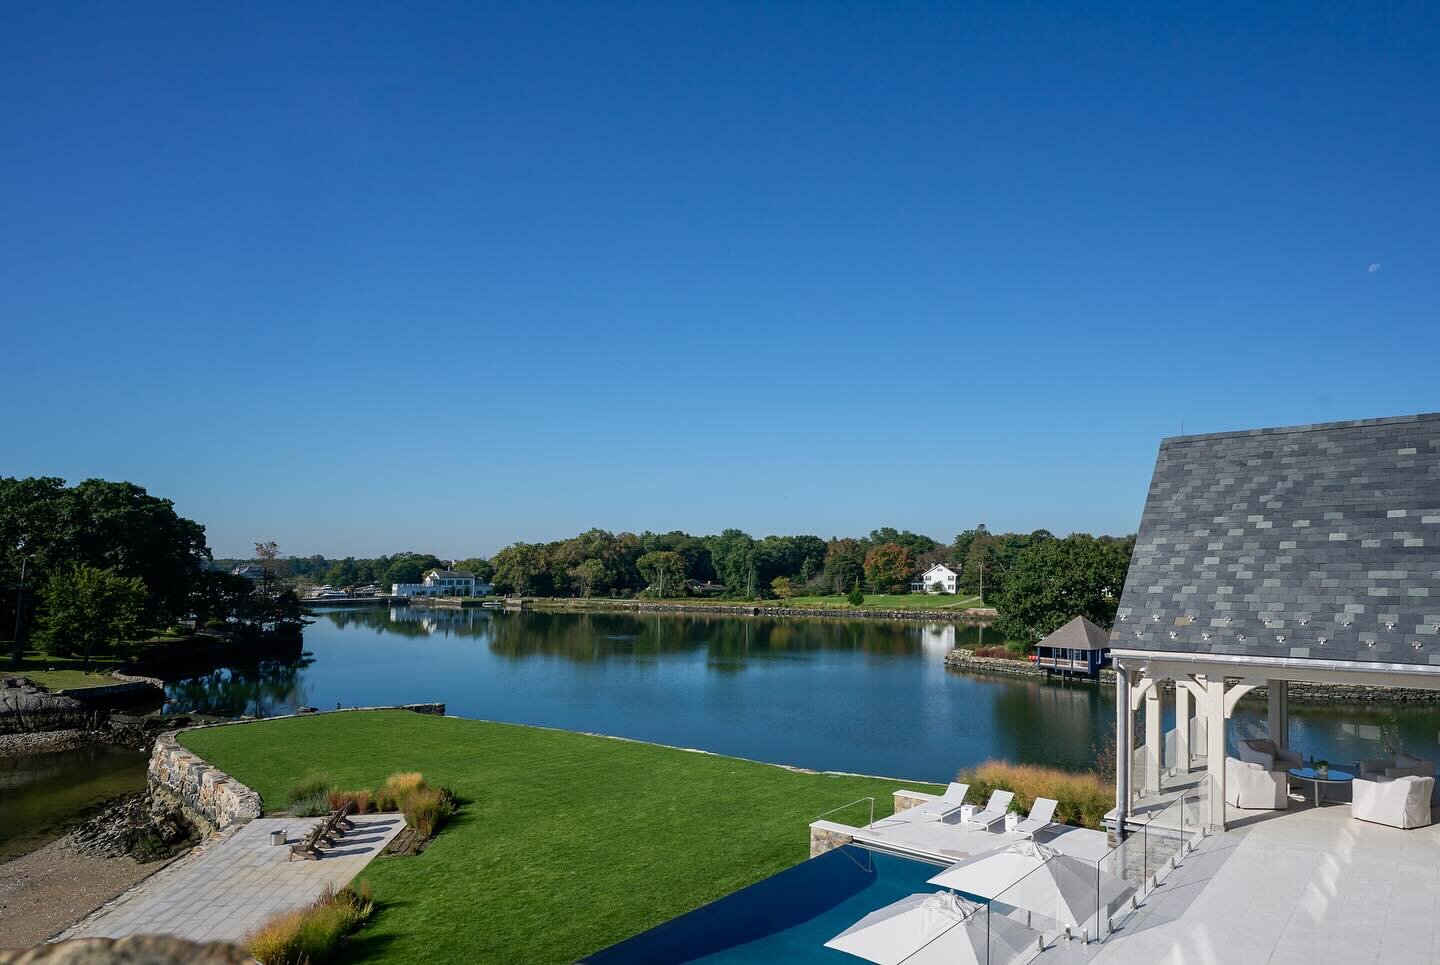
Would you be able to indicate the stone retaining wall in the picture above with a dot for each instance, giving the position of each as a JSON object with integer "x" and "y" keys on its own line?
{"x": 208, "y": 796}
{"x": 966, "y": 661}
{"x": 905, "y": 799}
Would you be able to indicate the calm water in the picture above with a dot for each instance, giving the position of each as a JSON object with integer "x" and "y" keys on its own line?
{"x": 863, "y": 696}
{"x": 42, "y": 794}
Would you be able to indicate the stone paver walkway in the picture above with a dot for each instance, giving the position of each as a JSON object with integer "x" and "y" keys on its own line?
{"x": 222, "y": 892}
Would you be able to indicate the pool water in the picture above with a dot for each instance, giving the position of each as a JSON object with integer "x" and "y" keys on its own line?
{"x": 788, "y": 917}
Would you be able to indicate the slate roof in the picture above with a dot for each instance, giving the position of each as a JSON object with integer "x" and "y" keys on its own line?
{"x": 1313, "y": 542}
{"x": 1078, "y": 634}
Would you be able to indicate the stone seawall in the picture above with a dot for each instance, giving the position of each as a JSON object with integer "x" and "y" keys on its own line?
{"x": 966, "y": 661}
{"x": 208, "y": 796}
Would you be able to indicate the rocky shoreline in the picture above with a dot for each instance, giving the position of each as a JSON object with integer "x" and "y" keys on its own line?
{"x": 965, "y": 661}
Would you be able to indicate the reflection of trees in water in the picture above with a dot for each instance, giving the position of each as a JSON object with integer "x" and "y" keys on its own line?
{"x": 1050, "y": 722}
{"x": 406, "y": 621}
{"x": 267, "y": 688}
{"x": 728, "y": 641}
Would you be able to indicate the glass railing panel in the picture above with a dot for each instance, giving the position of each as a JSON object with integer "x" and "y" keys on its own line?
{"x": 1036, "y": 911}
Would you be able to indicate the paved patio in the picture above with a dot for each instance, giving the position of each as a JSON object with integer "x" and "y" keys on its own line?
{"x": 220, "y": 893}
{"x": 1307, "y": 885}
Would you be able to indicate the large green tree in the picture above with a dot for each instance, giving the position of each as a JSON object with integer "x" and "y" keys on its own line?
{"x": 521, "y": 568}
{"x": 1052, "y": 581}
{"x": 844, "y": 564}
{"x": 481, "y": 567}
{"x": 888, "y": 568}
{"x": 86, "y": 611}
{"x": 664, "y": 572}
{"x": 733, "y": 555}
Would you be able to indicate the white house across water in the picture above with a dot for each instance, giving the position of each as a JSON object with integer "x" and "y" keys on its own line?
{"x": 443, "y": 583}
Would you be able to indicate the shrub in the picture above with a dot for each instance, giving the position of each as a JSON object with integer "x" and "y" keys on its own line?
{"x": 857, "y": 595}
{"x": 359, "y": 800}
{"x": 307, "y": 787}
{"x": 1083, "y": 798}
{"x": 426, "y": 810}
{"x": 314, "y": 806}
{"x": 311, "y": 935}
{"x": 1000, "y": 653}
{"x": 391, "y": 796}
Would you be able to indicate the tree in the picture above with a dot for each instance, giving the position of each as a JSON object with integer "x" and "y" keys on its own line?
{"x": 481, "y": 567}
{"x": 591, "y": 577}
{"x": 733, "y": 555}
{"x": 781, "y": 587}
{"x": 857, "y": 596}
{"x": 664, "y": 572}
{"x": 409, "y": 568}
{"x": 85, "y": 610}
{"x": 913, "y": 542}
{"x": 519, "y": 568}
{"x": 889, "y": 567}
{"x": 844, "y": 563}
{"x": 1053, "y": 581}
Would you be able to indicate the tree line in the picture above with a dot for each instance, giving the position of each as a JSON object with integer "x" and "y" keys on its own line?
{"x": 85, "y": 568}
{"x": 1033, "y": 578}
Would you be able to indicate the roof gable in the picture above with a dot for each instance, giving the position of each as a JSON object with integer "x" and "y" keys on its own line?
{"x": 1314, "y": 542}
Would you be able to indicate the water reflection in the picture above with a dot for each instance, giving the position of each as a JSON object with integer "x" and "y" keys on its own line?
{"x": 262, "y": 690}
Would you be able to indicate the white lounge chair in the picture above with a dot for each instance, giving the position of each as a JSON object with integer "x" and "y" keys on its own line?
{"x": 1042, "y": 814}
{"x": 942, "y": 807}
{"x": 995, "y": 809}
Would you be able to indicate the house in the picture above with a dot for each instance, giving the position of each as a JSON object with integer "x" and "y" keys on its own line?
{"x": 939, "y": 575}
{"x": 1079, "y": 647}
{"x": 443, "y": 583}
{"x": 1295, "y": 554}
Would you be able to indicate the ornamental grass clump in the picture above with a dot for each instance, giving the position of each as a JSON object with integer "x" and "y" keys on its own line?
{"x": 314, "y": 806}
{"x": 427, "y": 809}
{"x": 312, "y": 935}
{"x": 306, "y": 788}
{"x": 1083, "y": 798}
{"x": 360, "y": 801}
{"x": 392, "y": 794}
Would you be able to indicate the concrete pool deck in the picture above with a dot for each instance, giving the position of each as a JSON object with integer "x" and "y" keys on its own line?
{"x": 222, "y": 891}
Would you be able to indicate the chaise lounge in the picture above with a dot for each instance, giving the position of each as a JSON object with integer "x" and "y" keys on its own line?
{"x": 942, "y": 807}
{"x": 995, "y": 809}
{"x": 1042, "y": 816}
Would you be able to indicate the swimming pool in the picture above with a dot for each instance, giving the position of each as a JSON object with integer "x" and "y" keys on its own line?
{"x": 787, "y": 917}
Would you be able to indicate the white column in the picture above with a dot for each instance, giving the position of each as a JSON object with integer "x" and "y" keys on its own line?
{"x": 1124, "y": 754}
{"x": 1154, "y": 739}
{"x": 1215, "y": 747}
{"x": 1182, "y": 728}
{"x": 1278, "y": 692}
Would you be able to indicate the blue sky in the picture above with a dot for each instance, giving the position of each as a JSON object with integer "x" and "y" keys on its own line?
{"x": 440, "y": 277}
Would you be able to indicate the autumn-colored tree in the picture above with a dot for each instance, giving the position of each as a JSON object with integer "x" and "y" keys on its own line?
{"x": 889, "y": 567}
{"x": 782, "y": 588}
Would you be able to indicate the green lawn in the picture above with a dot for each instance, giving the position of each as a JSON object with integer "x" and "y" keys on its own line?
{"x": 59, "y": 673}
{"x": 566, "y": 843}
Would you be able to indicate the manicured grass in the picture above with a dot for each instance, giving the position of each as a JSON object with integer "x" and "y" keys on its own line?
{"x": 59, "y": 673}
{"x": 565, "y": 843}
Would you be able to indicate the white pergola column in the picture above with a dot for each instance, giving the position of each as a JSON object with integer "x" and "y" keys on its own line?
{"x": 1154, "y": 739}
{"x": 1182, "y": 727}
{"x": 1278, "y": 692}
{"x": 1212, "y": 706}
{"x": 1124, "y": 744}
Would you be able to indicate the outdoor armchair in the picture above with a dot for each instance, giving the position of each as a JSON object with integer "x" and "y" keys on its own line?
{"x": 1250, "y": 785}
{"x": 944, "y": 806}
{"x": 995, "y": 809}
{"x": 1042, "y": 814}
{"x": 1267, "y": 754}
{"x": 1402, "y": 802}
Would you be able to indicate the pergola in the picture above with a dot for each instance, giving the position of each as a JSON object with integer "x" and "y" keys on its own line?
{"x": 1307, "y": 554}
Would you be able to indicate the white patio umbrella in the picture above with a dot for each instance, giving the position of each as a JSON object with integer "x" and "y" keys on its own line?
{"x": 1061, "y": 888}
{"x": 933, "y": 929}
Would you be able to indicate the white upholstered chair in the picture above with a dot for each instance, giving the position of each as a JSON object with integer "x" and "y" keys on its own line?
{"x": 1250, "y": 785}
{"x": 1263, "y": 751}
{"x": 1400, "y": 802}
{"x": 1403, "y": 765}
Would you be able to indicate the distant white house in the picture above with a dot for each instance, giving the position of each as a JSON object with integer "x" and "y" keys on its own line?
{"x": 934, "y": 579}
{"x": 443, "y": 583}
